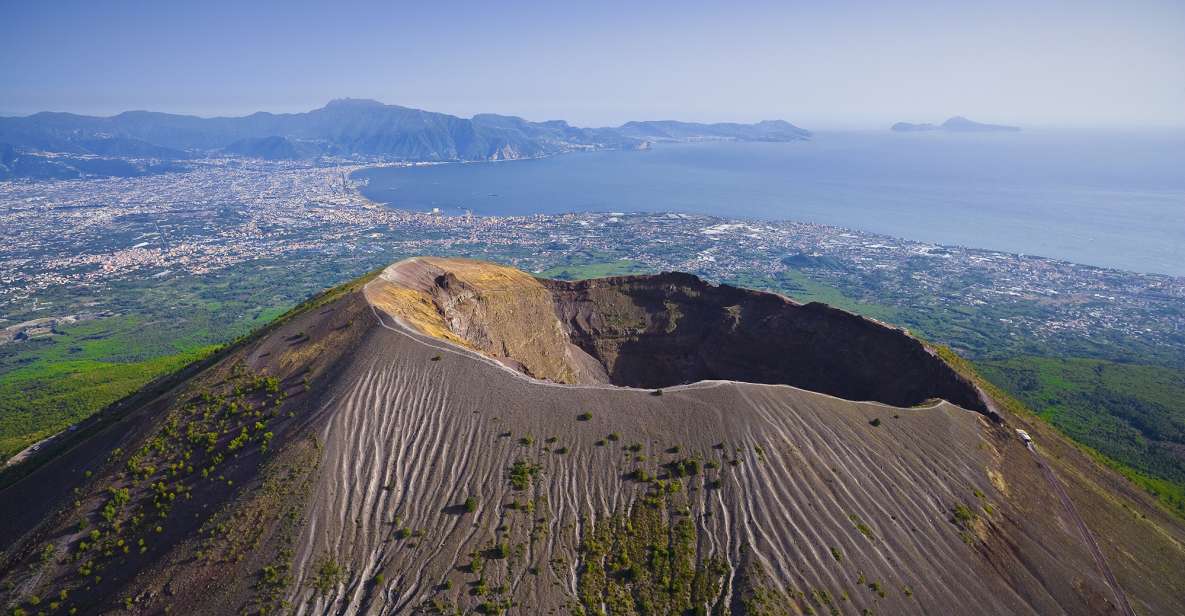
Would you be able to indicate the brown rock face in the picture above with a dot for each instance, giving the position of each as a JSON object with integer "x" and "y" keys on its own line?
{"x": 499, "y": 311}
{"x": 670, "y": 329}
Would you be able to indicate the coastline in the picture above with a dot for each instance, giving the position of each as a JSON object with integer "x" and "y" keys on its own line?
{"x": 1051, "y": 221}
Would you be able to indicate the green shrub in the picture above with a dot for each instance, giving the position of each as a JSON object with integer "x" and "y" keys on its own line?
{"x": 521, "y": 474}
{"x": 684, "y": 468}
{"x": 962, "y": 515}
{"x": 329, "y": 575}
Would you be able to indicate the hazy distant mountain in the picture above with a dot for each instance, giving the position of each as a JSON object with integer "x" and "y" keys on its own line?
{"x": 957, "y": 124}
{"x": 769, "y": 130}
{"x": 352, "y": 128}
{"x": 269, "y": 148}
{"x": 906, "y": 127}
{"x": 961, "y": 124}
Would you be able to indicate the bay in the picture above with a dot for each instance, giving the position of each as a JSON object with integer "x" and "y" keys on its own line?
{"x": 1109, "y": 199}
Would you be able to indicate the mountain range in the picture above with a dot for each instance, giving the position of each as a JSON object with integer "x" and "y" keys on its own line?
{"x": 448, "y": 436}
{"x": 956, "y": 124}
{"x": 350, "y": 128}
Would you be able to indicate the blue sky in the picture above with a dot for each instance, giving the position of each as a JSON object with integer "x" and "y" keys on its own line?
{"x": 818, "y": 64}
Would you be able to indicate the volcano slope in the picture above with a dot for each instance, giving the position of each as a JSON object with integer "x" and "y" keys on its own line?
{"x": 452, "y": 436}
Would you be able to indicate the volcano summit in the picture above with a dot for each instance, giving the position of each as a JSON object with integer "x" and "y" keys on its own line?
{"x": 453, "y": 436}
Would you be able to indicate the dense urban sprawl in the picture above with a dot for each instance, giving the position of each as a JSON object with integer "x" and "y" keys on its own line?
{"x": 225, "y": 212}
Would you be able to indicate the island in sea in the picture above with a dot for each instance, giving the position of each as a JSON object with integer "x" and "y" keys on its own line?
{"x": 956, "y": 124}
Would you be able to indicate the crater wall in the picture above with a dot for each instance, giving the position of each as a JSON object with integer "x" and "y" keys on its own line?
{"x": 665, "y": 330}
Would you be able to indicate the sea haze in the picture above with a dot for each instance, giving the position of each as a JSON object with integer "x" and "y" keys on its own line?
{"x": 1107, "y": 199}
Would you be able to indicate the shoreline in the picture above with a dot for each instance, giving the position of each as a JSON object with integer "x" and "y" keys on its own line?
{"x": 719, "y": 219}
{"x": 989, "y": 198}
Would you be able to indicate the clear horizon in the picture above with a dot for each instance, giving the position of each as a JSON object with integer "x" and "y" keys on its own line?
{"x": 846, "y": 65}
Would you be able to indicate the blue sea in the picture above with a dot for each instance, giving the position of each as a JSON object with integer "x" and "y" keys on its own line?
{"x": 1100, "y": 198}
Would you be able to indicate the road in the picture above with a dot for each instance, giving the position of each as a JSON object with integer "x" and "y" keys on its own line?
{"x": 28, "y": 452}
{"x": 1087, "y": 536}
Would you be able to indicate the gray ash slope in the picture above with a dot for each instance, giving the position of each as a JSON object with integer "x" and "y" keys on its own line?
{"x": 400, "y": 457}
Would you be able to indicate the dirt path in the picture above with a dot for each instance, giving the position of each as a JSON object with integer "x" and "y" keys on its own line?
{"x": 1087, "y": 536}
{"x": 29, "y": 451}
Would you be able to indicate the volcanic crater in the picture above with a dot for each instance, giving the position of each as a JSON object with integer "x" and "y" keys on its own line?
{"x": 448, "y": 436}
{"x": 665, "y": 330}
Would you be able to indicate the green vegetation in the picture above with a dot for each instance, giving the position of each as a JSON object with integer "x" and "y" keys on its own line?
{"x": 578, "y": 268}
{"x": 761, "y": 597}
{"x": 962, "y": 515}
{"x": 158, "y": 326}
{"x": 964, "y": 518}
{"x": 1133, "y": 414}
{"x": 862, "y": 527}
{"x": 43, "y": 398}
{"x": 645, "y": 562}
{"x": 522, "y": 473}
{"x": 1172, "y": 494}
{"x": 684, "y": 468}
{"x": 198, "y": 441}
{"x": 327, "y": 575}
{"x": 798, "y": 285}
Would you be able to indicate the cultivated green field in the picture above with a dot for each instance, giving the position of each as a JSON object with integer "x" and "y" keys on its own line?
{"x": 582, "y": 270}
{"x": 39, "y": 400}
